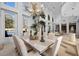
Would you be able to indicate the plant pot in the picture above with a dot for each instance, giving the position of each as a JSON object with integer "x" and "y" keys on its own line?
{"x": 34, "y": 37}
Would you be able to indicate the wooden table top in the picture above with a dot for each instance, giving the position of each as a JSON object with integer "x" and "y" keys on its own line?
{"x": 39, "y": 46}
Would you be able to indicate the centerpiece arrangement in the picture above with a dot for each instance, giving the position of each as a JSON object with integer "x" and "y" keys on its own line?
{"x": 37, "y": 12}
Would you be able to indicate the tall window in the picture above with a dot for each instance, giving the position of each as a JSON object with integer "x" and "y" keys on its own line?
{"x": 48, "y": 17}
{"x": 9, "y": 23}
{"x": 11, "y": 4}
{"x": 52, "y": 19}
{"x": 48, "y": 27}
{"x": 9, "y": 19}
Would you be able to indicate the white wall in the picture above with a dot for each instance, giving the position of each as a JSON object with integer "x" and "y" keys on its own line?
{"x": 2, "y": 24}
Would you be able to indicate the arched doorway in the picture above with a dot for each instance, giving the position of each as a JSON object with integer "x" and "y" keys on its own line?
{"x": 72, "y": 27}
{"x": 64, "y": 28}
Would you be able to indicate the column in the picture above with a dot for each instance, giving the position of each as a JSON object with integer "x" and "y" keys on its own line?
{"x": 20, "y": 19}
{"x": 51, "y": 29}
{"x": 16, "y": 20}
{"x": 46, "y": 28}
{"x": 29, "y": 23}
{"x": 2, "y": 24}
{"x": 60, "y": 28}
{"x": 67, "y": 27}
{"x": 54, "y": 26}
{"x": 77, "y": 27}
{"x": 16, "y": 24}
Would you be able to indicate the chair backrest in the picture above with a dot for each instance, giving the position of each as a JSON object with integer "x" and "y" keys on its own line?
{"x": 20, "y": 45}
{"x": 57, "y": 45}
{"x": 72, "y": 37}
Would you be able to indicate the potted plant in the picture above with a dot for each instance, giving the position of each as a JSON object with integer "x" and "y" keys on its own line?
{"x": 36, "y": 12}
{"x": 34, "y": 28}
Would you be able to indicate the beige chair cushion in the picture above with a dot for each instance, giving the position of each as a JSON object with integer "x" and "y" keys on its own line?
{"x": 23, "y": 48}
{"x": 62, "y": 52}
{"x": 53, "y": 50}
{"x": 69, "y": 43}
{"x": 71, "y": 50}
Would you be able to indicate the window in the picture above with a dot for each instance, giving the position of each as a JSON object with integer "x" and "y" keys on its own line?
{"x": 11, "y": 4}
{"x": 48, "y": 17}
{"x": 57, "y": 28}
{"x": 9, "y": 19}
{"x": 52, "y": 19}
{"x": 9, "y": 23}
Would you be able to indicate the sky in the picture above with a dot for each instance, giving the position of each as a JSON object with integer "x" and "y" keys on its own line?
{"x": 11, "y": 4}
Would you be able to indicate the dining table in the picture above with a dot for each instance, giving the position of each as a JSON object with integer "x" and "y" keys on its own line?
{"x": 37, "y": 45}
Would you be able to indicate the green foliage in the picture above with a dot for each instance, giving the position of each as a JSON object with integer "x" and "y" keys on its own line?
{"x": 34, "y": 27}
{"x": 9, "y": 23}
{"x": 42, "y": 23}
{"x": 42, "y": 15}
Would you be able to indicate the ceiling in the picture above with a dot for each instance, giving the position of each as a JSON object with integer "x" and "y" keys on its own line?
{"x": 60, "y": 10}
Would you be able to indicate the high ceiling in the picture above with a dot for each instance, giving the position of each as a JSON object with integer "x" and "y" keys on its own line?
{"x": 58, "y": 9}
{"x": 53, "y": 8}
{"x": 70, "y": 9}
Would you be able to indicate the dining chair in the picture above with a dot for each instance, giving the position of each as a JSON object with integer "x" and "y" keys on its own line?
{"x": 69, "y": 43}
{"x": 52, "y": 51}
{"x": 22, "y": 49}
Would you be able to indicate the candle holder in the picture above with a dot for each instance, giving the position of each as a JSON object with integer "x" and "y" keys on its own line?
{"x": 42, "y": 39}
{"x": 31, "y": 35}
